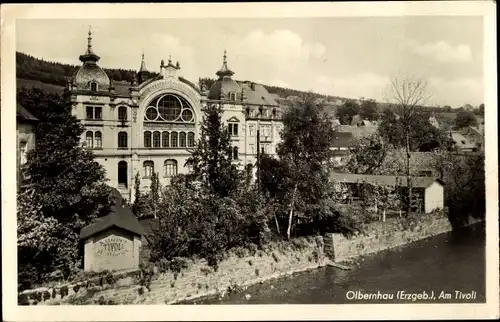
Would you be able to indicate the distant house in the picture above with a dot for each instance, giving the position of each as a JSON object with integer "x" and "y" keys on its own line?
{"x": 360, "y": 131}
{"x": 434, "y": 122}
{"x": 341, "y": 144}
{"x": 474, "y": 136}
{"x": 462, "y": 143}
{"x": 430, "y": 189}
{"x": 25, "y": 133}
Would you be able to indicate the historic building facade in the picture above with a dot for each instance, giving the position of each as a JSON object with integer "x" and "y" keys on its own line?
{"x": 151, "y": 124}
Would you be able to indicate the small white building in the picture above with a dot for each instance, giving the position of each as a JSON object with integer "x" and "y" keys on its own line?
{"x": 431, "y": 189}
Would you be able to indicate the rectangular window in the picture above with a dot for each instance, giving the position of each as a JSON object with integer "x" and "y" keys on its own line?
{"x": 252, "y": 148}
{"x": 251, "y": 130}
{"x": 98, "y": 113}
{"x": 233, "y": 129}
{"x": 90, "y": 112}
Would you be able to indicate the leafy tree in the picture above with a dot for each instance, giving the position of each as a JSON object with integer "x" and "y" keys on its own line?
{"x": 211, "y": 160}
{"x": 305, "y": 149}
{"x": 464, "y": 178}
{"x": 465, "y": 119}
{"x": 368, "y": 110}
{"x": 367, "y": 155}
{"x": 347, "y": 111}
{"x": 139, "y": 205}
{"x": 63, "y": 190}
{"x": 481, "y": 109}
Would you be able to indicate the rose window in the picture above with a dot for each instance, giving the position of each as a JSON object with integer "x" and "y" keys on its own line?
{"x": 169, "y": 108}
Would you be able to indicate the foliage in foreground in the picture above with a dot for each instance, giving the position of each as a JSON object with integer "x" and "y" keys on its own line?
{"x": 62, "y": 191}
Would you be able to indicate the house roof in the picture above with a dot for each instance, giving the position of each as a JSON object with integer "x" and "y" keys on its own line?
{"x": 359, "y": 131}
{"x": 257, "y": 95}
{"x": 418, "y": 182}
{"x": 461, "y": 141}
{"x": 24, "y": 115}
{"x": 342, "y": 140}
{"x": 120, "y": 216}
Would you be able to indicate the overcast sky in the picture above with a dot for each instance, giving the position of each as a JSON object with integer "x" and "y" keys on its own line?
{"x": 351, "y": 57}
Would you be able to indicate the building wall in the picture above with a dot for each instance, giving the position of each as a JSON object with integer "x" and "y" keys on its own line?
{"x": 25, "y": 138}
{"x": 109, "y": 154}
{"x": 434, "y": 197}
{"x": 113, "y": 249}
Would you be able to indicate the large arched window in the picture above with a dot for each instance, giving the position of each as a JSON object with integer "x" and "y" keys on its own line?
{"x": 164, "y": 139}
{"x": 122, "y": 140}
{"x": 122, "y": 113}
{"x": 147, "y": 139}
{"x": 156, "y": 139}
{"x": 98, "y": 140}
{"x": 169, "y": 108}
{"x": 182, "y": 139}
{"x": 170, "y": 168}
{"x": 191, "y": 142}
{"x": 89, "y": 139}
{"x": 174, "y": 139}
{"x": 149, "y": 168}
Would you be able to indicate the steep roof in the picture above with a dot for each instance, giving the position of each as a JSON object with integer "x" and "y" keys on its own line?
{"x": 417, "y": 182}
{"x": 461, "y": 141}
{"x": 359, "y": 131}
{"x": 342, "y": 140}
{"x": 23, "y": 114}
{"x": 256, "y": 94}
{"x": 120, "y": 216}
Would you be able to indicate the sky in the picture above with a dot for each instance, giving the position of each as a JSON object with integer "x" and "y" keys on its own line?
{"x": 344, "y": 56}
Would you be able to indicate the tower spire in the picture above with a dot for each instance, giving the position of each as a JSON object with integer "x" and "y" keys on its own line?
{"x": 224, "y": 71}
{"x": 143, "y": 63}
{"x": 89, "y": 56}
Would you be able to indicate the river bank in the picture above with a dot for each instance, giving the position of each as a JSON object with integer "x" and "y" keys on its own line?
{"x": 243, "y": 268}
{"x": 453, "y": 261}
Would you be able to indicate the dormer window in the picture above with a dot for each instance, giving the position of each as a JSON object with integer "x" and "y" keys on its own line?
{"x": 274, "y": 112}
{"x": 261, "y": 110}
{"x": 248, "y": 111}
{"x": 232, "y": 96}
{"x": 93, "y": 86}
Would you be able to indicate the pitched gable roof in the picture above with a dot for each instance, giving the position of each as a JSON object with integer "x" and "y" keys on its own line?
{"x": 23, "y": 114}
{"x": 400, "y": 181}
{"x": 120, "y": 216}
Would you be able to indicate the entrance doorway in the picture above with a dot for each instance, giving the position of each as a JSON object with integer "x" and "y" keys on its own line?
{"x": 122, "y": 174}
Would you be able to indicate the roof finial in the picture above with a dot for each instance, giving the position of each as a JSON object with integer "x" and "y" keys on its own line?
{"x": 169, "y": 59}
{"x": 89, "y": 55}
{"x": 224, "y": 71}
{"x": 89, "y": 39}
{"x": 143, "y": 63}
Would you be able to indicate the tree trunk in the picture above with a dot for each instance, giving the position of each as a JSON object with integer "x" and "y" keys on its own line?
{"x": 383, "y": 215}
{"x": 408, "y": 176}
{"x": 291, "y": 213}
{"x": 277, "y": 225}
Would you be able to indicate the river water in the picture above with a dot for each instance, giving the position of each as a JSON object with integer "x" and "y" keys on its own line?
{"x": 441, "y": 265}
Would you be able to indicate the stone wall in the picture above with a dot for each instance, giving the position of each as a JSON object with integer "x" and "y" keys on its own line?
{"x": 380, "y": 236}
{"x": 242, "y": 268}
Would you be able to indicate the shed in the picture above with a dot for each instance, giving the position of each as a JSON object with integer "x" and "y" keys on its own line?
{"x": 114, "y": 241}
{"x": 431, "y": 188}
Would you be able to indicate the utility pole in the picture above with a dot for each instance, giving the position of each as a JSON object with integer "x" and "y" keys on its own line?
{"x": 258, "y": 156}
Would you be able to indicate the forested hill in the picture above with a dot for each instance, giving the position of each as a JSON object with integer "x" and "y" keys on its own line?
{"x": 34, "y": 69}
{"x": 40, "y": 73}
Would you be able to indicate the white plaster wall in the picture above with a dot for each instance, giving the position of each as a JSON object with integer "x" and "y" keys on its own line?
{"x": 434, "y": 197}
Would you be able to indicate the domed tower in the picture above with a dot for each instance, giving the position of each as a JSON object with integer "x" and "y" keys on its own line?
{"x": 225, "y": 88}
{"x": 90, "y": 77}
